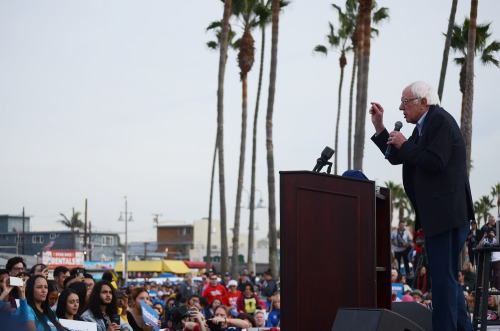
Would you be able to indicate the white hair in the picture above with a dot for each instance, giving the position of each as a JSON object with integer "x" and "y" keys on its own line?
{"x": 423, "y": 90}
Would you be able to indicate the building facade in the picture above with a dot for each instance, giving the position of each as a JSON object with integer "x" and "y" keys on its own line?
{"x": 175, "y": 239}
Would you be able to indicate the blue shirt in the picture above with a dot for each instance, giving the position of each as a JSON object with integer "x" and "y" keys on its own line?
{"x": 420, "y": 123}
{"x": 273, "y": 318}
{"x": 39, "y": 325}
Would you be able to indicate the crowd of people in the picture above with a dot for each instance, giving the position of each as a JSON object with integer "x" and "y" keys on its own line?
{"x": 417, "y": 281}
{"x": 214, "y": 303}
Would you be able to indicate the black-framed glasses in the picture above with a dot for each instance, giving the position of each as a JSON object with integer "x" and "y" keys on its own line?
{"x": 405, "y": 101}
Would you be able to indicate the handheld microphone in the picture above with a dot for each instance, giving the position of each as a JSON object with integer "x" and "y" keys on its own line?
{"x": 323, "y": 160}
{"x": 397, "y": 127}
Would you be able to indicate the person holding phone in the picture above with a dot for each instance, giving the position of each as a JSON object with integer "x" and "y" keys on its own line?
{"x": 103, "y": 309}
{"x": 40, "y": 316}
{"x": 40, "y": 269}
{"x": 21, "y": 314}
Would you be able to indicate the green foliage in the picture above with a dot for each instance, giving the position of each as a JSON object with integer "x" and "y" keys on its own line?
{"x": 460, "y": 38}
{"x": 482, "y": 208}
{"x": 73, "y": 222}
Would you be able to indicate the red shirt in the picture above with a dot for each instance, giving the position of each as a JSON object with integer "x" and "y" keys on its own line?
{"x": 230, "y": 298}
{"x": 214, "y": 292}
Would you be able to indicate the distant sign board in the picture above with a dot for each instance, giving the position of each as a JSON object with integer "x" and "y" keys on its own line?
{"x": 70, "y": 259}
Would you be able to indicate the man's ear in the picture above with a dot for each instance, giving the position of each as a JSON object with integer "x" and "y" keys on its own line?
{"x": 424, "y": 102}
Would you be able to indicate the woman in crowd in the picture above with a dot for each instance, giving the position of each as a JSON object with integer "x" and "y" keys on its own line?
{"x": 53, "y": 295}
{"x": 469, "y": 274}
{"x": 422, "y": 280}
{"x": 68, "y": 305}
{"x": 248, "y": 301}
{"x": 260, "y": 318}
{"x": 402, "y": 280}
{"x": 273, "y": 320}
{"x": 223, "y": 319}
{"x": 80, "y": 289}
{"x": 134, "y": 314}
{"x": 40, "y": 316}
{"x": 210, "y": 312}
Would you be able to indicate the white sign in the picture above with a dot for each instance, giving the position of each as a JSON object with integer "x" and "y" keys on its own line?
{"x": 73, "y": 325}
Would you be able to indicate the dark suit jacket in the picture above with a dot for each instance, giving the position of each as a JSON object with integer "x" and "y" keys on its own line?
{"x": 434, "y": 173}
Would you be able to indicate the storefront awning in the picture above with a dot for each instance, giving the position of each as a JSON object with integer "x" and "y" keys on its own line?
{"x": 176, "y": 267}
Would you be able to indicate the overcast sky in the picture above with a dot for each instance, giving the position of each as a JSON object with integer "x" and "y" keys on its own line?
{"x": 105, "y": 99}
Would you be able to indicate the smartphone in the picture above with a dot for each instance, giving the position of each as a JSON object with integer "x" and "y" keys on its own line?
{"x": 119, "y": 295}
{"x": 80, "y": 271}
{"x": 116, "y": 319}
{"x": 15, "y": 281}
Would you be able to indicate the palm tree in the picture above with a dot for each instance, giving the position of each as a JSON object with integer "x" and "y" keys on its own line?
{"x": 446, "y": 50}
{"x": 273, "y": 241}
{"x": 338, "y": 40}
{"x": 363, "y": 35}
{"x": 220, "y": 133}
{"x": 482, "y": 207}
{"x": 495, "y": 192}
{"x": 264, "y": 12}
{"x": 72, "y": 223}
{"x": 214, "y": 45}
{"x": 209, "y": 232}
{"x": 459, "y": 43}
{"x": 392, "y": 187}
{"x": 245, "y": 10}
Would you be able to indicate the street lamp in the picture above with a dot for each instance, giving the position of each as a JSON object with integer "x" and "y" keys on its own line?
{"x": 125, "y": 261}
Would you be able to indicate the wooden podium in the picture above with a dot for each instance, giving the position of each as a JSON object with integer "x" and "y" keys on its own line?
{"x": 335, "y": 248}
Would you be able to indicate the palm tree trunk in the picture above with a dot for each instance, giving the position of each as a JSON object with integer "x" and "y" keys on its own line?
{"x": 241, "y": 170}
{"x": 251, "y": 230}
{"x": 469, "y": 83}
{"x": 446, "y": 50}
{"x": 342, "y": 66}
{"x": 351, "y": 93}
{"x": 220, "y": 134}
{"x": 273, "y": 241}
{"x": 364, "y": 56}
{"x": 209, "y": 229}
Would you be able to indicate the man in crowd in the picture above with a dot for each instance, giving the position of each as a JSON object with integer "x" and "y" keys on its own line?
{"x": 269, "y": 288}
{"x": 436, "y": 182}
{"x": 15, "y": 265}
{"x": 60, "y": 275}
{"x": 214, "y": 290}
{"x": 103, "y": 309}
{"x": 188, "y": 288}
{"x": 472, "y": 240}
{"x": 461, "y": 280}
{"x": 401, "y": 244}
{"x": 243, "y": 280}
{"x": 489, "y": 226}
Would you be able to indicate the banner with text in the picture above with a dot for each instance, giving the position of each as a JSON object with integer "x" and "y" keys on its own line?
{"x": 69, "y": 259}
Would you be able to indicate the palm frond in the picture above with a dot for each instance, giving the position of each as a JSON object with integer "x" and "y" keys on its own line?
{"x": 380, "y": 15}
{"x": 321, "y": 49}
{"x": 214, "y": 25}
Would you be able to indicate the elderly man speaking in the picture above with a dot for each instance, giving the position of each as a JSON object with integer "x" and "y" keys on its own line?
{"x": 436, "y": 182}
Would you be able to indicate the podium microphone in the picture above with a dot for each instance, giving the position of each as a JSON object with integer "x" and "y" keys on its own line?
{"x": 323, "y": 160}
{"x": 397, "y": 127}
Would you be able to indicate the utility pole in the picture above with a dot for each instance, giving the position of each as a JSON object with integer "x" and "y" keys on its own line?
{"x": 125, "y": 262}
{"x": 155, "y": 218}
{"x": 73, "y": 230}
{"x": 90, "y": 239}
{"x": 145, "y": 250}
{"x": 23, "y": 232}
{"x": 85, "y": 233}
